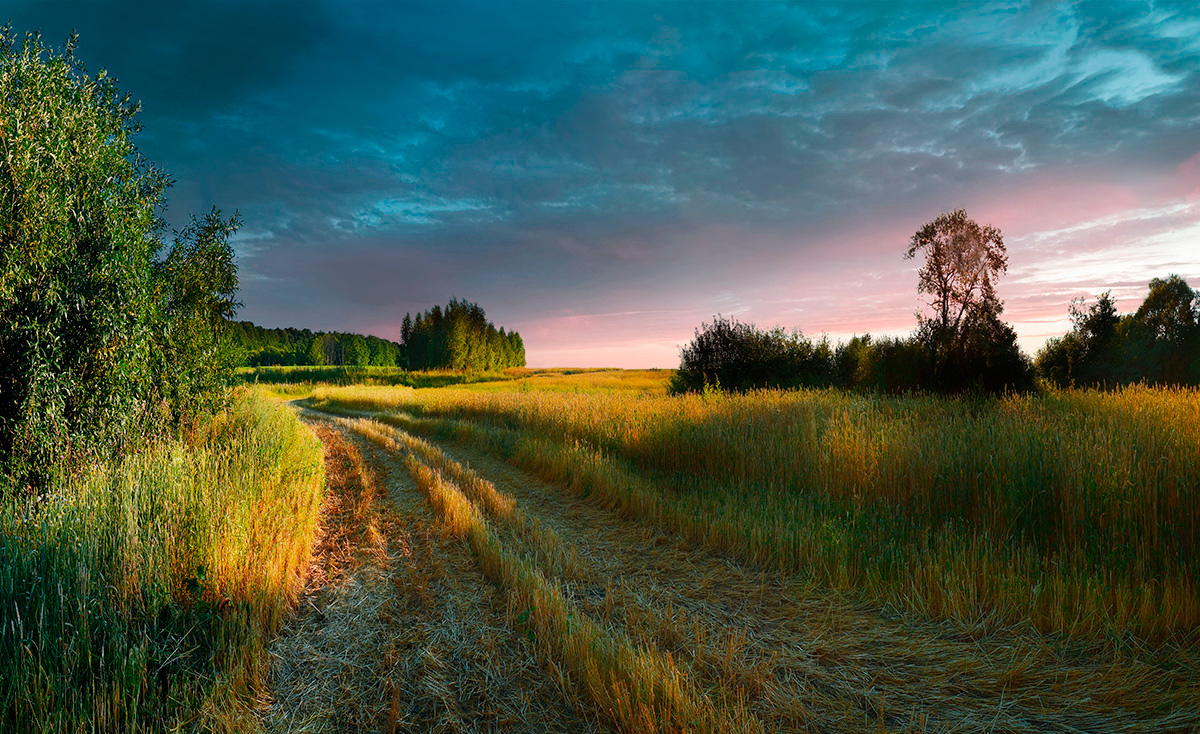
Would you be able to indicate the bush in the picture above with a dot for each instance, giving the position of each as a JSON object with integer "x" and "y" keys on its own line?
{"x": 735, "y": 356}
{"x": 887, "y": 365}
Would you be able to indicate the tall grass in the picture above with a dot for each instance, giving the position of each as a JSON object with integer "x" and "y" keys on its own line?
{"x": 1077, "y": 511}
{"x": 635, "y": 688}
{"x": 139, "y": 597}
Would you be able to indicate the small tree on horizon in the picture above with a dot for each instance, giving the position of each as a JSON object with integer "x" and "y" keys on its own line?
{"x": 971, "y": 346}
{"x": 962, "y": 259}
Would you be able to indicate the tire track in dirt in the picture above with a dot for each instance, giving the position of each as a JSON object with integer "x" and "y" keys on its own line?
{"x": 398, "y": 630}
{"x": 811, "y": 660}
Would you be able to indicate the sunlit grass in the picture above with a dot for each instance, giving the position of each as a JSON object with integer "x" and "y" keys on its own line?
{"x": 636, "y": 689}
{"x": 650, "y": 382}
{"x": 141, "y": 596}
{"x": 1075, "y": 512}
{"x": 295, "y": 377}
{"x": 300, "y": 381}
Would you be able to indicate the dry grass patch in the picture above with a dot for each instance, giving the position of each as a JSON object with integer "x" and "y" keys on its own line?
{"x": 632, "y": 687}
{"x": 404, "y": 635}
{"x": 801, "y": 657}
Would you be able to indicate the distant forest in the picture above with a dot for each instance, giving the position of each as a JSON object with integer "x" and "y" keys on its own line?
{"x": 457, "y": 336}
{"x": 269, "y": 347}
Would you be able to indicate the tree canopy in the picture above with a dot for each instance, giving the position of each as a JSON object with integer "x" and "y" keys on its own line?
{"x": 459, "y": 337}
{"x": 98, "y": 337}
{"x": 971, "y": 347}
{"x": 1158, "y": 344}
{"x": 732, "y": 355}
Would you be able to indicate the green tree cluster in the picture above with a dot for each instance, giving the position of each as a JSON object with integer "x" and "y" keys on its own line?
{"x": 1157, "y": 344}
{"x": 261, "y": 347}
{"x": 458, "y": 337}
{"x": 969, "y": 346}
{"x": 352, "y": 350}
{"x": 104, "y": 331}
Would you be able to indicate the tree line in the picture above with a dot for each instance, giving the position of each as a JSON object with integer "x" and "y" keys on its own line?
{"x": 458, "y": 337}
{"x": 1159, "y": 343}
{"x": 263, "y": 347}
{"x": 960, "y": 343}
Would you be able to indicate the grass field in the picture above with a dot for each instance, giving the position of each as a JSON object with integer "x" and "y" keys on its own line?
{"x": 1076, "y": 512}
{"x": 141, "y": 597}
{"x": 577, "y": 551}
{"x": 1035, "y": 555}
{"x": 301, "y": 380}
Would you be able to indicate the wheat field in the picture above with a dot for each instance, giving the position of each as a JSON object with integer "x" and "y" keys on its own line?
{"x": 813, "y": 561}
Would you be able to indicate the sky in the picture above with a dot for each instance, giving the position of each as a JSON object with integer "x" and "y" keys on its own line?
{"x": 606, "y": 177}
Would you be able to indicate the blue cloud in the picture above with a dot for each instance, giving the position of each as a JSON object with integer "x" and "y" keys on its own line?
{"x": 541, "y": 139}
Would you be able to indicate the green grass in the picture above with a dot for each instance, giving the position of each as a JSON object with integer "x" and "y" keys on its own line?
{"x": 297, "y": 377}
{"x": 294, "y": 382}
{"x": 141, "y": 596}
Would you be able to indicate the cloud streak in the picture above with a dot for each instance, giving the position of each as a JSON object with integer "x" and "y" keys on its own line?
{"x": 661, "y": 161}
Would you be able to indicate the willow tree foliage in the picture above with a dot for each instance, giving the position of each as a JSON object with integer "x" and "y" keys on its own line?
{"x": 459, "y": 337}
{"x": 97, "y": 334}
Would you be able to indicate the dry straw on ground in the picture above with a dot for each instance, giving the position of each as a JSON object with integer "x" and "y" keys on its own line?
{"x": 398, "y": 630}
{"x": 795, "y": 655}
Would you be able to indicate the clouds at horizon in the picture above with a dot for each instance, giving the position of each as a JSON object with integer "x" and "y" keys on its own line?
{"x": 604, "y": 177}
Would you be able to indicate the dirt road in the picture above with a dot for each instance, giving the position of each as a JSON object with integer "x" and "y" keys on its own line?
{"x": 412, "y": 623}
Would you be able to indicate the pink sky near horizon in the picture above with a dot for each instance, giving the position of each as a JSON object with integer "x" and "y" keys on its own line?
{"x": 1066, "y": 236}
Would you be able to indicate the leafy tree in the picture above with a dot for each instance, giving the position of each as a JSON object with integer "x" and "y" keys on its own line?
{"x": 102, "y": 341}
{"x": 1171, "y": 311}
{"x": 197, "y": 288}
{"x": 962, "y": 258}
{"x": 1088, "y": 354}
{"x": 1097, "y": 324}
{"x": 78, "y": 238}
{"x": 971, "y": 347}
{"x": 1062, "y": 360}
{"x": 383, "y": 352}
{"x": 357, "y": 351}
{"x": 1158, "y": 344}
{"x": 316, "y": 350}
{"x": 1163, "y": 337}
{"x": 886, "y": 365}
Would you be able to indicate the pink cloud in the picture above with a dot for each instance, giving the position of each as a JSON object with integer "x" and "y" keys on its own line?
{"x": 1188, "y": 175}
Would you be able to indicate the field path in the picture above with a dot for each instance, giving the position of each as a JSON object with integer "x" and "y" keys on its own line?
{"x": 398, "y": 631}
{"x": 798, "y": 658}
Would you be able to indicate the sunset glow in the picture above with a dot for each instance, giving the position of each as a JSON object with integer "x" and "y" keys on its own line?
{"x": 605, "y": 177}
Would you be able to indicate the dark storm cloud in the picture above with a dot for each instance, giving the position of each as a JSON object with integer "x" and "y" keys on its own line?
{"x": 387, "y": 155}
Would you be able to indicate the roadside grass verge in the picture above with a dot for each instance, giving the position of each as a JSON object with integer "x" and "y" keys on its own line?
{"x": 140, "y": 597}
{"x": 1078, "y": 512}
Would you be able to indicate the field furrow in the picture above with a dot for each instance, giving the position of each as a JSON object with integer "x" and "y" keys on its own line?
{"x": 399, "y": 630}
